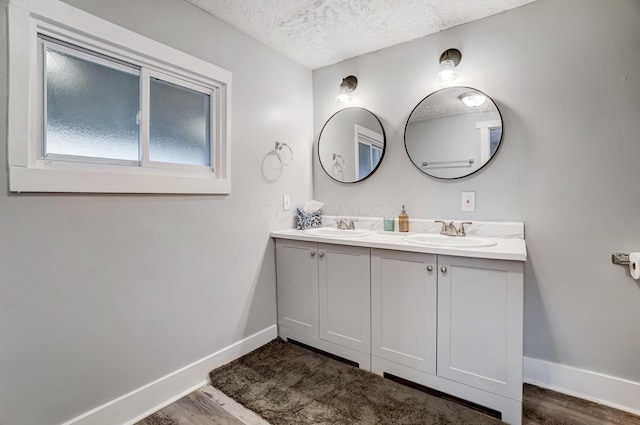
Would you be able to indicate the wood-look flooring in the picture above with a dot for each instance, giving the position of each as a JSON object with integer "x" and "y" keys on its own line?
{"x": 542, "y": 407}
{"x": 208, "y": 406}
{"x": 205, "y": 406}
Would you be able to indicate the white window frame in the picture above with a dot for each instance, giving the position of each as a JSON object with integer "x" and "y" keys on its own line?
{"x": 368, "y": 137}
{"x": 485, "y": 139}
{"x": 29, "y": 172}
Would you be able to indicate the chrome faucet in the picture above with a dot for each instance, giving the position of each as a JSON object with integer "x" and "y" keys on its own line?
{"x": 461, "y": 230}
{"x": 449, "y": 229}
{"x": 342, "y": 224}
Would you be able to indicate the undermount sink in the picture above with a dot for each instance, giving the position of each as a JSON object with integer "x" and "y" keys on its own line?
{"x": 449, "y": 241}
{"x": 339, "y": 233}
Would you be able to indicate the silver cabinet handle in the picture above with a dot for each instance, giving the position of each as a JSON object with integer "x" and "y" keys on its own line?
{"x": 313, "y": 253}
{"x": 429, "y": 268}
{"x": 443, "y": 269}
{"x": 321, "y": 254}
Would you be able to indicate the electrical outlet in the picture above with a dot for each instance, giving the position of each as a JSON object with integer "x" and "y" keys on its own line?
{"x": 286, "y": 202}
{"x": 468, "y": 201}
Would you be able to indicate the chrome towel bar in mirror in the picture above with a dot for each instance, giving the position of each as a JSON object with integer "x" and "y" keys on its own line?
{"x": 455, "y": 163}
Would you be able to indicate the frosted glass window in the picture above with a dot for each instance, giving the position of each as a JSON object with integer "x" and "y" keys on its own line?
{"x": 79, "y": 109}
{"x": 180, "y": 130}
{"x": 91, "y": 110}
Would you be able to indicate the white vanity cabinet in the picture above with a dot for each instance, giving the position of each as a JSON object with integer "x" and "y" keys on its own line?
{"x": 324, "y": 297}
{"x": 345, "y": 300}
{"x": 450, "y": 323}
{"x": 297, "y": 269}
{"x": 453, "y": 323}
{"x": 404, "y": 308}
{"x": 480, "y": 310}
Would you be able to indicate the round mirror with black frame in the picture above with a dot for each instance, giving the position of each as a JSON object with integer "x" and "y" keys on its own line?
{"x": 351, "y": 145}
{"x": 453, "y": 132}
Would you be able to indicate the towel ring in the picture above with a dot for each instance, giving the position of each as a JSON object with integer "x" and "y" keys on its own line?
{"x": 339, "y": 167}
{"x": 279, "y": 146}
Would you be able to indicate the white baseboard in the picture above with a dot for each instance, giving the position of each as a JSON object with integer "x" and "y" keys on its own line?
{"x": 607, "y": 390}
{"x": 140, "y": 403}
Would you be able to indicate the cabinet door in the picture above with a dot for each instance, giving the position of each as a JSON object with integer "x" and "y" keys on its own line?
{"x": 480, "y": 323}
{"x": 403, "y": 308}
{"x": 345, "y": 302}
{"x": 297, "y": 285}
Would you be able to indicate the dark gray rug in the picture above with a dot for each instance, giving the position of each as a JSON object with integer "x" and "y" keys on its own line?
{"x": 289, "y": 385}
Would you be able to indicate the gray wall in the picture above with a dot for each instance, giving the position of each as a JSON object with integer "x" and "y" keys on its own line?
{"x": 566, "y": 77}
{"x": 102, "y": 294}
{"x": 453, "y": 138}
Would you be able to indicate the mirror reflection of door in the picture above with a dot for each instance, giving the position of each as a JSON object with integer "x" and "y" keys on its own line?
{"x": 490, "y": 135}
{"x": 369, "y": 145}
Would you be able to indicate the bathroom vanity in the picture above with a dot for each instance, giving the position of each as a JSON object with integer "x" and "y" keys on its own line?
{"x": 445, "y": 317}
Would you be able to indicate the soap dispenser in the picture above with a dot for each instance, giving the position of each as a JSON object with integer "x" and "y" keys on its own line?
{"x": 403, "y": 221}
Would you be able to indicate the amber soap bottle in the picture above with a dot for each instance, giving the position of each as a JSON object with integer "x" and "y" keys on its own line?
{"x": 403, "y": 221}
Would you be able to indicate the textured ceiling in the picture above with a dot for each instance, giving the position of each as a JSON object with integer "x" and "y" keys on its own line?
{"x": 316, "y": 33}
{"x": 446, "y": 103}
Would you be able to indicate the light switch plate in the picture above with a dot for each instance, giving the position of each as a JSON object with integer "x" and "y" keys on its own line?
{"x": 286, "y": 202}
{"x": 468, "y": 201}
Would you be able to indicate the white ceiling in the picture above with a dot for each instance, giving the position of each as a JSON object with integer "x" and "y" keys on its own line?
{"x": 316, "y": 33}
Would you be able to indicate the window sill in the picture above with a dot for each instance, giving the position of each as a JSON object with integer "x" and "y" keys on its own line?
{"x": 22, "y": 179}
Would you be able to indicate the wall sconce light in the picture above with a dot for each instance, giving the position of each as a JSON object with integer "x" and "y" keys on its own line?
{"x": 348, "y": 85}
{"x": 449, "y": 59}
{"x": 473, "y": 99}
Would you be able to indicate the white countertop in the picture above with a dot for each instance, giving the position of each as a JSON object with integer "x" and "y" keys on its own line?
{"x": 513, "y": 249}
